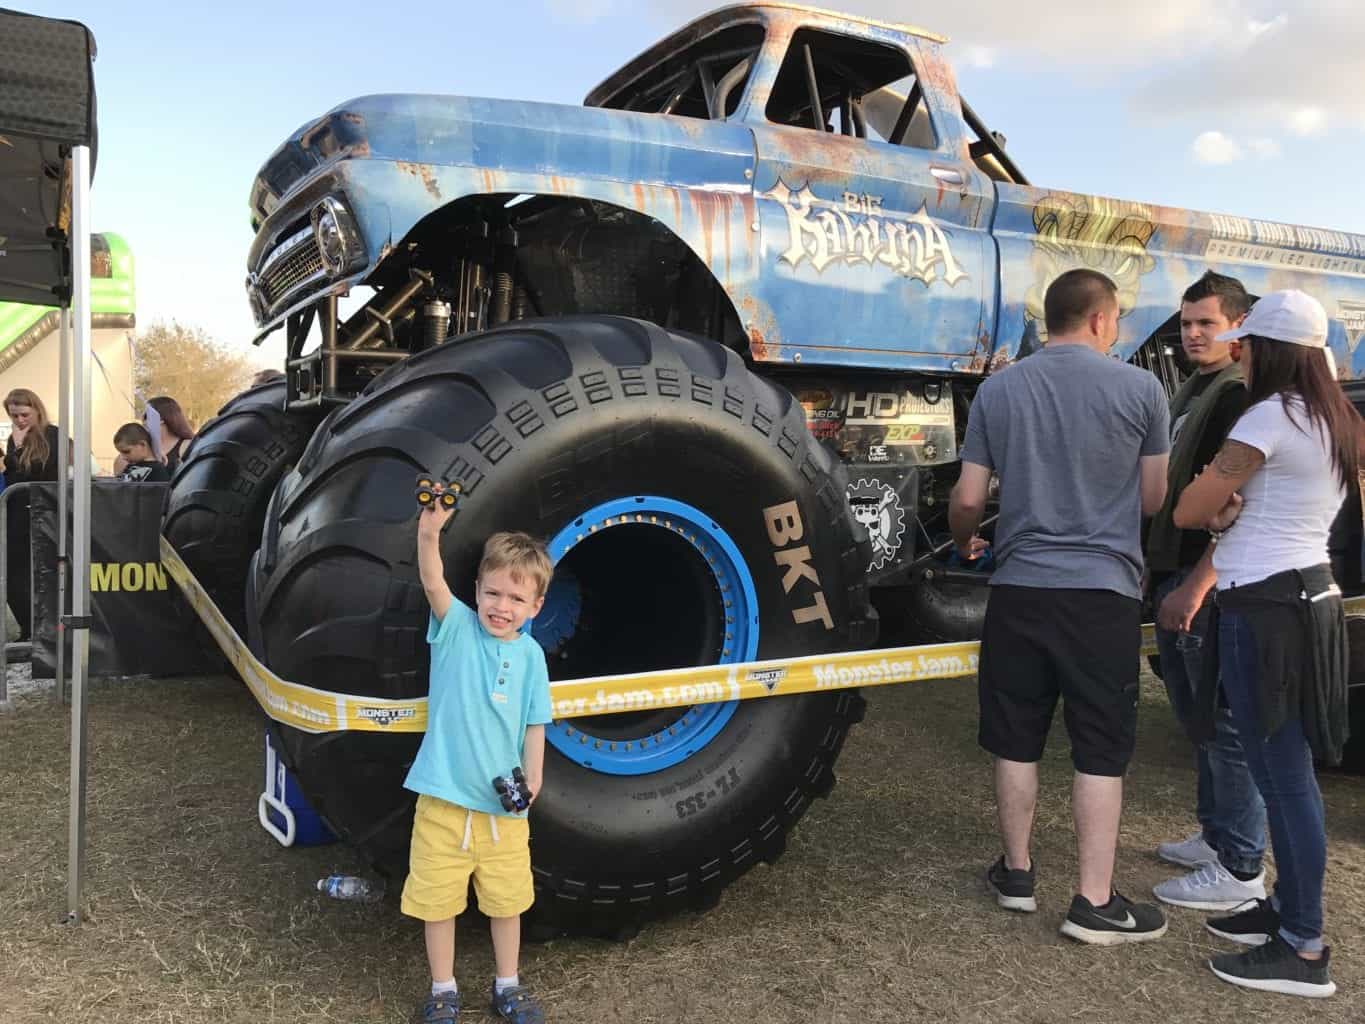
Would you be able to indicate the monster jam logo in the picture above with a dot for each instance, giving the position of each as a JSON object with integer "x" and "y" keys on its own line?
{"x": 854, "y": 233}
{"x": 1352, "y": 317}
{"x": 878, "y": 508}
{"x": 385, "y": 716}
{"x": 769, "y": 677}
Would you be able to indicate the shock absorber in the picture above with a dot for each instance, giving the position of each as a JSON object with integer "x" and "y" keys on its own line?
{"x": 435, "y": 323}
{"x": 504, "y": 262}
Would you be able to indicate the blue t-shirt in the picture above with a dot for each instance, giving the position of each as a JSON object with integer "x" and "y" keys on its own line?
{"x": 484, "y": 694}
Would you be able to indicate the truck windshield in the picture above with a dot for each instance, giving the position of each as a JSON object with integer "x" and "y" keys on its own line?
{"x": 848, "y": 86}
{"x": 705, "y": 80}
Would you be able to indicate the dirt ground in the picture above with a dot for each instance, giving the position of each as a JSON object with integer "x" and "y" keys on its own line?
{"x": 876, "y": 913}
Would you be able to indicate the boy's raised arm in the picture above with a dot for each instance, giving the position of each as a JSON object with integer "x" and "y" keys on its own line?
{"x": 429, "y": 564}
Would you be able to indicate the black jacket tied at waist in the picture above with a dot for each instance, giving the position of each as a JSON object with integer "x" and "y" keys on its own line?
{"x": 1299, "y": 625}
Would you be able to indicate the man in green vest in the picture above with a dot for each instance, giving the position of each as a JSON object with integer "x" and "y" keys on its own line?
{"x": 1225, "y": 854}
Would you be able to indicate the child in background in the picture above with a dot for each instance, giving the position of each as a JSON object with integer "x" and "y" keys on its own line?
{"x": 488, "y": 708}
{"x": 140, "y": 464}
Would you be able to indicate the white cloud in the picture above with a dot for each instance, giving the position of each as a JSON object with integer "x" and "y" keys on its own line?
{"x": 1307, "y": 121}
{"x": 1215, "y": 148}
{"x": 1257, "y": 28}
{"x": 1300, "y": 70}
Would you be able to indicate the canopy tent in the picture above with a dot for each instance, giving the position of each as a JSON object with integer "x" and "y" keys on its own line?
{"x": 47, "y": 140}
{"x": 47, "y": 105}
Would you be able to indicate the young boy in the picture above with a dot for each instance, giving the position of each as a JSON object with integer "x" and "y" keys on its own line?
{"x": 489, "y": 705}
{"x": 141, "y": 465}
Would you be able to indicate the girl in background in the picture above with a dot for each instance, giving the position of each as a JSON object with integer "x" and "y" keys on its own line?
{"x": 30, "y": 455}
{"x": 170, "y": 429}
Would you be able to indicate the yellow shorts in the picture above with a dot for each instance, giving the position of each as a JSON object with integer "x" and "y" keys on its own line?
{"x": 449, "y": 845}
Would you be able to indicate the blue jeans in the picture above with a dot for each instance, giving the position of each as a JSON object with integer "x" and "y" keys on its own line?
{"x": 1228, "y": 805}
{"x": 1282, "y": 766}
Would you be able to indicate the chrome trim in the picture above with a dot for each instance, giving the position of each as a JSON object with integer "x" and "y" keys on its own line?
{"x": 297, "y": 238}
{"x": 347, "y": 232}
{"x": 289, "y": 268}
{"x": 299, "y": 303}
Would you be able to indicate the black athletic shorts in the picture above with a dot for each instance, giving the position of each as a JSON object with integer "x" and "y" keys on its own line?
{"x": 1082, "y": 645}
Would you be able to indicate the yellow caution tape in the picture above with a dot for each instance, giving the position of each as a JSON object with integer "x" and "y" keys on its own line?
{"x": 303, "y": 707}
{"x": 313, "y": 710}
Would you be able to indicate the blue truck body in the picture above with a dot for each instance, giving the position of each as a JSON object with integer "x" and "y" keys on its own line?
{"x": 832, "y": 250}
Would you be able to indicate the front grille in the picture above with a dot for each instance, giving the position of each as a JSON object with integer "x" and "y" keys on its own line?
{"x": 293, "y": 264}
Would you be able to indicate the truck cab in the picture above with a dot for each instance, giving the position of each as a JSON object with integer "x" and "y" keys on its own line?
{"x": 807, "y": 185}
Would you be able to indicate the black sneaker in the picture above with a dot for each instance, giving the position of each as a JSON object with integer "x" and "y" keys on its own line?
{"x": 1013, "y": 889}
{"x": 1275, "y": 967}
{"x": 1251, "y": 926}
{"x": 1118, "y": 921}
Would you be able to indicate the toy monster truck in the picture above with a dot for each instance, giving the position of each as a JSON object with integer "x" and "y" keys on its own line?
{"x": 713, "y": 335}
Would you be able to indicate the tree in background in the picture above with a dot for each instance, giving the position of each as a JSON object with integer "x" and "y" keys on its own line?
{"x": 184, "y": 362}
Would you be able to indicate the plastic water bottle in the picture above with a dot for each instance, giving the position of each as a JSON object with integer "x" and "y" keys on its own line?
{"x": 351, "y": 888}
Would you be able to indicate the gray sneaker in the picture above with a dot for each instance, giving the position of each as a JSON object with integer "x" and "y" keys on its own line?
{"x": 1210, "y": 887}
{"x": 1275, "y": 967}
{"x": 1187, "y": 853}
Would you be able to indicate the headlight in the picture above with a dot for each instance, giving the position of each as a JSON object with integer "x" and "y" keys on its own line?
{"x": 337, "y": 237}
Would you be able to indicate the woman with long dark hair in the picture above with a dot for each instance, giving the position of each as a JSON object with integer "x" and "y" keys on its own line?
{"x": 1269, "y": 499}
{"x": 30, "y": 455}
{"x": 173, "y": 432}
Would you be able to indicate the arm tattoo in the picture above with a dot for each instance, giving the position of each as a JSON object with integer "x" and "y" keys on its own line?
{"x": 1236, "y": 460}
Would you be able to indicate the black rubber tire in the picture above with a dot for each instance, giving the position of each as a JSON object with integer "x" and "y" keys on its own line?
{"x": 216, "y": 504}
{"x": 931, "y": 610}
{"x": 542, "y": 420}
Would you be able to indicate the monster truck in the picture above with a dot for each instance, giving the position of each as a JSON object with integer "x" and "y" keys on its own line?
{"x": 713, "y": 335}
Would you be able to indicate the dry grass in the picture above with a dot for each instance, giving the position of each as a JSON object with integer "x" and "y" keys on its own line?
{"x": 875, "y": 914}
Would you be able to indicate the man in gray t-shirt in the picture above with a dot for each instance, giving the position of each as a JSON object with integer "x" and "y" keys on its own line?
{"x": 1079, "y": 442}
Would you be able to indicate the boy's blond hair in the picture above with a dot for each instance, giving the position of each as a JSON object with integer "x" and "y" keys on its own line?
{"x": 520, "y": 553}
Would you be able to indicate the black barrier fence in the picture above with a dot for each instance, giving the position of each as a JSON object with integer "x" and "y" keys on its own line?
{"x": 140, "y": 622}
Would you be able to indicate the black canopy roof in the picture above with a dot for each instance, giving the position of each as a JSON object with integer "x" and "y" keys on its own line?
{"x": 47, "y": 105}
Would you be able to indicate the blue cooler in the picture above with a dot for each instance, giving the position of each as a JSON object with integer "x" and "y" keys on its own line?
{"x": 282, "y": 809}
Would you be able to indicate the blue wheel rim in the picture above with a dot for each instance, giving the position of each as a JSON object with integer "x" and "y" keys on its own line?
{"x": 696, "y": 726}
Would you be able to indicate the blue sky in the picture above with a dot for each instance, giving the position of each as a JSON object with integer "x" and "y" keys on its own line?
{"x": 1236, "y": 106}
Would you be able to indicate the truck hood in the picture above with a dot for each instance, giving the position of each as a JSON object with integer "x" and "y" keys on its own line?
{"x": 566, "y": 141}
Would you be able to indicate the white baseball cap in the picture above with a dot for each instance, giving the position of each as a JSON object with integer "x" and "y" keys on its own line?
{"x": 1290, "y": 316}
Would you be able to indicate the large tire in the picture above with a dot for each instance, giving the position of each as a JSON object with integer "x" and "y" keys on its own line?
{"x": 547, "y": 423}
{"x": 931, "y": 610}
{"x": 216, "y": 504}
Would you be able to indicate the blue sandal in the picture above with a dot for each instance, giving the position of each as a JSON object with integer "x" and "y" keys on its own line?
{"x": 516, "y": 1004}
{"x": 442, "y": 1009}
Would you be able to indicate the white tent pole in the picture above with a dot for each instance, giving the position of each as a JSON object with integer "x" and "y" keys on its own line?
{"x": 63, "y": 501}
{"x": 79, "y": 623}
